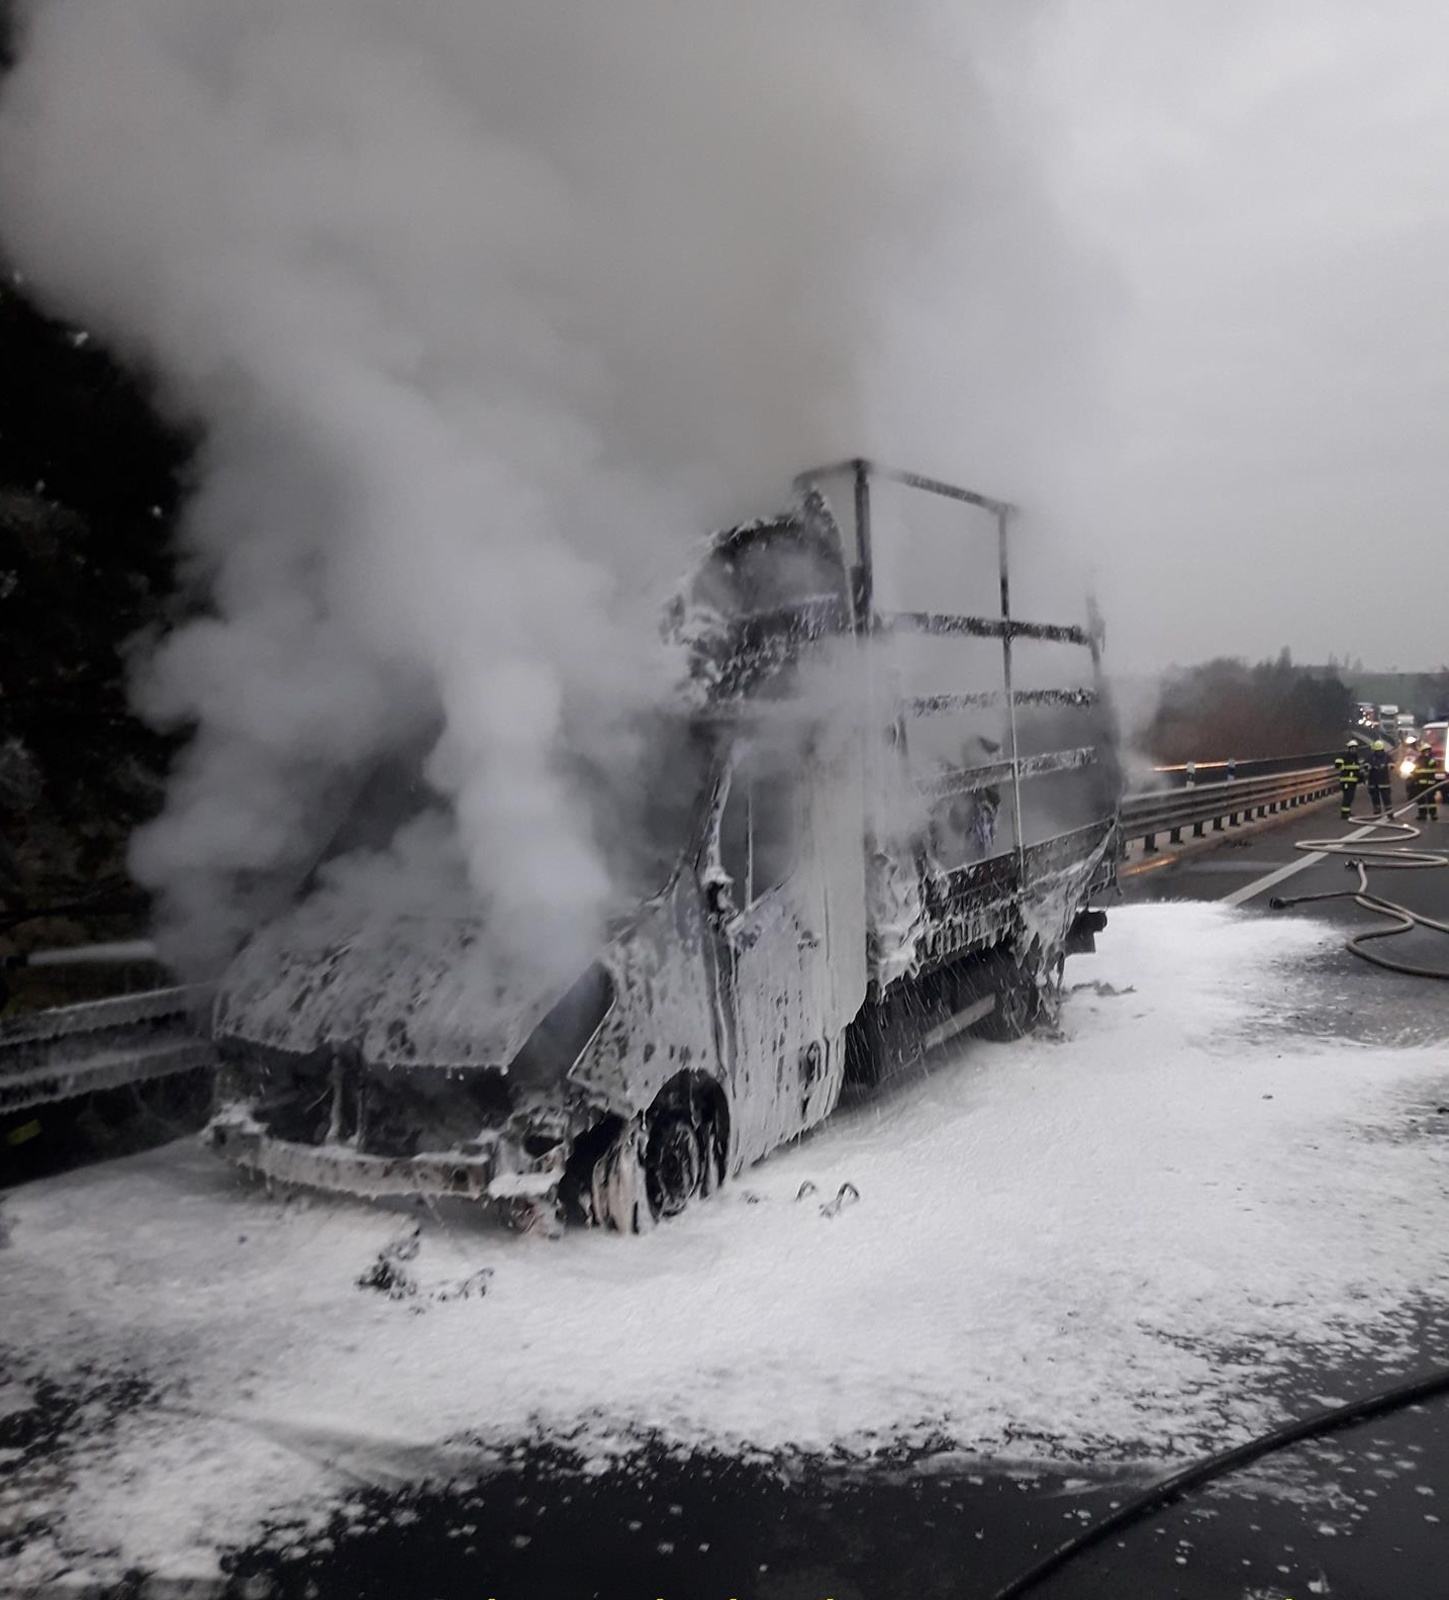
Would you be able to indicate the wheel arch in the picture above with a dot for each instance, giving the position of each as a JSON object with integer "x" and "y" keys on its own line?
{"x": 702, "y": 1098}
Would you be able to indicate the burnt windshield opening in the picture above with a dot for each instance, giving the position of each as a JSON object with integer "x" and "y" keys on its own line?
{"x": 759, "y": 826}
{"x": 643, "y": 789}
{"x": 646, "y": 799}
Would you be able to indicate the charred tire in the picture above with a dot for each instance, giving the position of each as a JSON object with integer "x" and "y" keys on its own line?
{"x": 1018, "y": 1000}
{"x": 653, "y": 1168}
{"x": 674, "y": 1163}
{"x": 628, "y": 1176}
{"x": 618, "y": 1191}
{"x": 575, "y": 1192}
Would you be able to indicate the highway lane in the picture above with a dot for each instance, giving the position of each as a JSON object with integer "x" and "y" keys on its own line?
{"x": 712, "y": 1527}
{"x": 1250, "y": 867}
{"x": 715, "y": 1526}
{"x": 546, "y": 1524}
{"x": 1224, "y": 866}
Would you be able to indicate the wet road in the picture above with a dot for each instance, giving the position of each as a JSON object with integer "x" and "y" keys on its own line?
{"x": 1352, "y": 1519}
{"x": 1358, "y": 1516}
{"x": 1247, "y": 867}
{"x": 1362, "y": 1515}
{"x": 1238, "y": 860}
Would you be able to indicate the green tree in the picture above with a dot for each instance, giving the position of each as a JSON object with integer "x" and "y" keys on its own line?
{"x": 1225, "y": 708}
{"x": 90, "y": 479}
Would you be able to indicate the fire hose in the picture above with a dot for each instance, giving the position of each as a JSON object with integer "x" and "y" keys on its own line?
{"x": 1379, "y": 854}
{"x": 1177, "y": 1487}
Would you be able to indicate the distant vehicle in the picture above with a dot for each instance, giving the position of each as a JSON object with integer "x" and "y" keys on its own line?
{"x": 1389, "y": 714}
{"x": 844, "y": 882}
{"x": 1434, "y": 735}
{"x": 1366, "y": 712}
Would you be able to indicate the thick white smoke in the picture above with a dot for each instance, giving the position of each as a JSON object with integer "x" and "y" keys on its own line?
{"x": 487, "y": 309}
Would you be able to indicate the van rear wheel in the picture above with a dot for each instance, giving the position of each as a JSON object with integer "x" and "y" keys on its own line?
{"x": 1018, "y": 1000}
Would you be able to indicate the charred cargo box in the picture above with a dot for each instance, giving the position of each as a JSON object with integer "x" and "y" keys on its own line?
{"x": 864, "y": 855}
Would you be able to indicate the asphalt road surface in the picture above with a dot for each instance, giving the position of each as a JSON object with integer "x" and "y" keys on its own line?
{"x": 1250, "y": 867}
{"x": 1361, "y": 1515}
{"x": 1355, "y": 1516}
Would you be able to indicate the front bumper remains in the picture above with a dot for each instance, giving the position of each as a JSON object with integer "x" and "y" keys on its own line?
{"x": 492, "y": 1170}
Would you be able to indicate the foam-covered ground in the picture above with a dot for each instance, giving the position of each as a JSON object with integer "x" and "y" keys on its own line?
{"x": 1100, "y": 1246}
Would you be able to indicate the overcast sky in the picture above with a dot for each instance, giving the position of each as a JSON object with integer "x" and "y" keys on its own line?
{"x": 1267, "y": 182}
{"x": 1188, "y": 298}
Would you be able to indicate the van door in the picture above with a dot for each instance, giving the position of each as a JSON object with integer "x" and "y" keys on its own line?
{"x": 791, "y": 928}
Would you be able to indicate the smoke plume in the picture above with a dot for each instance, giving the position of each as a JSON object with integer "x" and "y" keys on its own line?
{"x": 486, "y": 310}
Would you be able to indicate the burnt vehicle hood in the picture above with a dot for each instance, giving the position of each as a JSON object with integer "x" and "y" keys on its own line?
{"x": 397, "y": 990}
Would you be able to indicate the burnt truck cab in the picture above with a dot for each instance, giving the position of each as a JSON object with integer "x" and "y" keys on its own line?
{"x": 814, "y": 929}
{"x": 709, "y": 1030}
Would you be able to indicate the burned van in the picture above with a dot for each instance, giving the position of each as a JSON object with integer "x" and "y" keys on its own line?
{"x": 837, "y": 893}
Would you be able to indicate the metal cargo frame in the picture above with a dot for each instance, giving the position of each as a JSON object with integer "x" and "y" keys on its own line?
{"x": 870, "y": 622}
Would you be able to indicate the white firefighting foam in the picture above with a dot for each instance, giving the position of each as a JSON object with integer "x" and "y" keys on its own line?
{"x": 1112, "y": 1244}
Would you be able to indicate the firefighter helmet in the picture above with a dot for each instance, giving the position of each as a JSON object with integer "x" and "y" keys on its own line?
{"x": 1378, "y": 744}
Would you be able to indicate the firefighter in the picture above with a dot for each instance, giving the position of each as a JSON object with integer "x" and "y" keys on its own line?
{"x": 1377, "y": 776}
{"x": 1347, "y": 765}
{"x": 1424, "y": 783}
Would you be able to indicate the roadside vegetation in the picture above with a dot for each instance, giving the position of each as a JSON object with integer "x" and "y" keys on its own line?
{"x": 1226, "y": 707}
{"x": 90, "y": 478}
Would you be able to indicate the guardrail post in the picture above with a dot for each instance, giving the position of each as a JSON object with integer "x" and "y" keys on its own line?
{"x": 1259, "y": 796}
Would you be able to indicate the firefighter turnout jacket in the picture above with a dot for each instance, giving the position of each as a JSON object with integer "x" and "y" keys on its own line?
{"x": 1348, "y": 773}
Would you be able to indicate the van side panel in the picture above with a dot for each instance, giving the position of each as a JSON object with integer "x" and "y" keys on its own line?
{"x": 665, "y": 1020}
{"x": 794, "y": 963}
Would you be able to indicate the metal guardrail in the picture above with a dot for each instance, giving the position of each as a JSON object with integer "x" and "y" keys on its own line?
{"x": 1189, "y": 774}
{"x": 75, "y": 1050}
{"x": 1222, "y": 805}
{"x": 68, "y": 1051}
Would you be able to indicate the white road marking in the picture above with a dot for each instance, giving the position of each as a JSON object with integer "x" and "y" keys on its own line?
{"x": 1238, "y": 896}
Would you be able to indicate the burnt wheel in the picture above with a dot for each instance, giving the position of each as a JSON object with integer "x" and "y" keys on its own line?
{"x": 1013, "y": 1016}
{"x": 673, "y": 1163}
{"x": 628, "y": 1175}
{"x": 618, "y": 1196}
{"x": 1018, "y": 1000}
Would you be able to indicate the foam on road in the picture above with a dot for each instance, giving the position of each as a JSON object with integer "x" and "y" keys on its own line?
{"x": 1108, "y": 1246}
